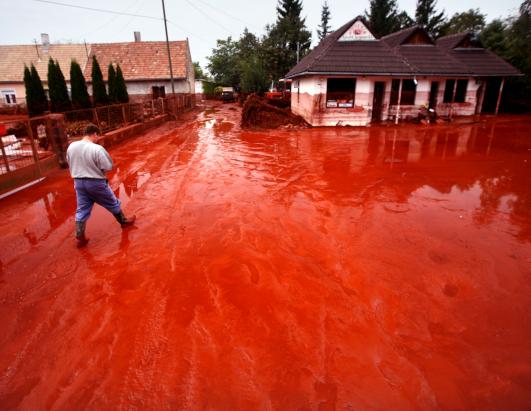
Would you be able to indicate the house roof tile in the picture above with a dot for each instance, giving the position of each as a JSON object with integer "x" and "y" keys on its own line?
{"x": 13, "y": 58}
{"x": 391, "y": 55}
{"x": 141, "y": 60}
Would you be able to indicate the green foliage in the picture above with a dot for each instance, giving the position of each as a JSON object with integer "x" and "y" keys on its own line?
{"x": 429, "y": 18}
{"x": 287, "y": 40}
{"x": 80, "y": 96}
{"x": 324, "y": 27}
{"x": 404, "y": 20}
{"x": 30, "y": 95}
{"x": 99, "y": 94}
{"x": 494, "y": 37}
{"x": 254, "y": 76}
{"x": 383, "y": 17}
{"x": 198, "y": 71}
{"x": 59, "y": 100}
{"x": 111, "y": 84}
{"x": 209, "y": 88}
{"x": 39, "y": 96}
{"x": 122, "y": 96}
{"x": 512, "y": 41}
{"x": 471, "y": 20}
{"x": 223, "y": 63}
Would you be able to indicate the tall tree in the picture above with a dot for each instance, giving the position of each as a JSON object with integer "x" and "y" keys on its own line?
{"x": 52, "y": 89}
{"x": 80, "y": 96}
{"x": 111, "y": 84}
{"x": 324, "y": 27}
{"x": 122, "y": 95}
{"x": 39, "y": 95}
{"x": 59, "y": 99}
{"x": 253, "y": 75}
{"x": 288, "y": 40}
{"x": 223, "y": 63}
{"x": 495, "y": 37}
{"x": 30, "y": 95}
{"x": 428, "y": 17}
{"x": 404, "y": 20}
{"x": 470, "y": 20}
{"x": 99, "y": 94}
{"x": 198, "y": 71}
{"x": 383, "y": 17}
{"x": 62, "y": 89}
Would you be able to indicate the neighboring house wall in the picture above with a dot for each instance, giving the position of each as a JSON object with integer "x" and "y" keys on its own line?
{"x": 16, "y": 88}
{"x": 309, "y": 100}
{"x": 143, "y": 90}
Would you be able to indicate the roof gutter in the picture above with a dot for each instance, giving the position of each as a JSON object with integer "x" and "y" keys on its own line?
{"x": 339, "y": 73}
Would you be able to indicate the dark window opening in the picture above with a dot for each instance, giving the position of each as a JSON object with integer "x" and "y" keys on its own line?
{"x": 340, "y": 92}
{"x": 395, "y": 86}
{"x": 158, "y": 91}
{"x": 409, "y": 91}
{"x": 460, "y": 92}
{"x": 448, "y": 91}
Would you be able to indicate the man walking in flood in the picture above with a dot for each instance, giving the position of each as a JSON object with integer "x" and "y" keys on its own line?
{"x": 88, "y": 163}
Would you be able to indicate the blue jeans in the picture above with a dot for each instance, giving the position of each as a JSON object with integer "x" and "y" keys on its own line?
{"x": 90, "y": 191}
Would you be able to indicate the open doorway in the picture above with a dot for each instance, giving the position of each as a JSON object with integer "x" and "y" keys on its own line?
{"x": 377, "y": 101}
{"x": 490, "y": 99}
{"x": 434, "y": 91}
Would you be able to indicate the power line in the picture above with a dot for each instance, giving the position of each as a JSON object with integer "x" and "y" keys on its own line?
{"x": 208, "y": 17}
{"x": 98, "y": 10}
{"x": 122, "y": 13}
{"x": 223, "y": 12}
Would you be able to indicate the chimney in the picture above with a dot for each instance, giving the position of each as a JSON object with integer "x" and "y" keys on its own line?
{"x": 45, "y": 40}
{"x": 137, "y": 37}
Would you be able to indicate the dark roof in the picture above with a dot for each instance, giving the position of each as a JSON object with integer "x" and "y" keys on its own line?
{"x": 451, "y": 41}
{"x": 427, "y": 59}
{"x": 483, "y": 62}
{"x": 391, "y": 55}
{"x": 399, "y": 37}
{"x": 359, "y": 57}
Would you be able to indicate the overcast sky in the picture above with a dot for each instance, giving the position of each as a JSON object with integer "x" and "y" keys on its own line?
{"x": 202, "y": 21}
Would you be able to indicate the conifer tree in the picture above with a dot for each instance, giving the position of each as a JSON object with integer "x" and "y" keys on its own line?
{"x": 121, "y": 89}
{"x": 427, "y": 16}
{"x": 52, "y": 89}
{"x": 383, "y": 17}
{"x": 30, "y": 95}
{"x": 111, "y": 84}
{"x": 63, "y": 100}
{"x": 99, "y": 94}
{"x": 324, "y": 27}
{"x": 39, "y": 96}
{"x": 80, "y": 96}
{"x": 287, "y": 40}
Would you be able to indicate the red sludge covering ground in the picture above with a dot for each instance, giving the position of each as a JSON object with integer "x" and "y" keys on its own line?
{"x": 378, "y": 268}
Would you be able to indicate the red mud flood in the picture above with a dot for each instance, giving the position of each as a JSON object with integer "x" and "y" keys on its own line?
{"x": 320, "y": 269}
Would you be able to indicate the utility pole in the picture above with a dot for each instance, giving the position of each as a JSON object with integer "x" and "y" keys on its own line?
{"x": 168, "y": 47}
{"x": 298, "y": 51}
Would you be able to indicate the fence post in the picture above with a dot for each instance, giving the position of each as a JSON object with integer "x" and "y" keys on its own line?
{"x": 4, "y": 156}
{"x": 152, "y": 108}
{"x": 97, "y": 118}
{"x": 123, "y": 114}
{"x": 34, "y": 148}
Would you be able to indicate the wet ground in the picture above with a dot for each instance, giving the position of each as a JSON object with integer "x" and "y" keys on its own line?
{"x": 320, "y": 269}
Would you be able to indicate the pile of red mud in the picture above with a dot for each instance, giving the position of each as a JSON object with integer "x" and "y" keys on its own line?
{"x": 258, "y": 113}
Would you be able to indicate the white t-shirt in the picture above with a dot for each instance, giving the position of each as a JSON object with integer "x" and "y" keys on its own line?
{"x": 88, "y": 160}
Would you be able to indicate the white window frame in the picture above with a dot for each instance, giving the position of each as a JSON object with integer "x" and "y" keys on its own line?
{"x": 11, "y": 93}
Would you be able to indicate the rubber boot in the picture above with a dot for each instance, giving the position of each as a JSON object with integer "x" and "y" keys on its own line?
{"x": 123, "y": 220}
{"x": 80, "y": 234}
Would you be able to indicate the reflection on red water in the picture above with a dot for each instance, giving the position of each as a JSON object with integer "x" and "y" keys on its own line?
{"x": 377, "y": 268}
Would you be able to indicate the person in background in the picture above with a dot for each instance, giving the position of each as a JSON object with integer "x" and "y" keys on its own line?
{"x": 88, "y": 164}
